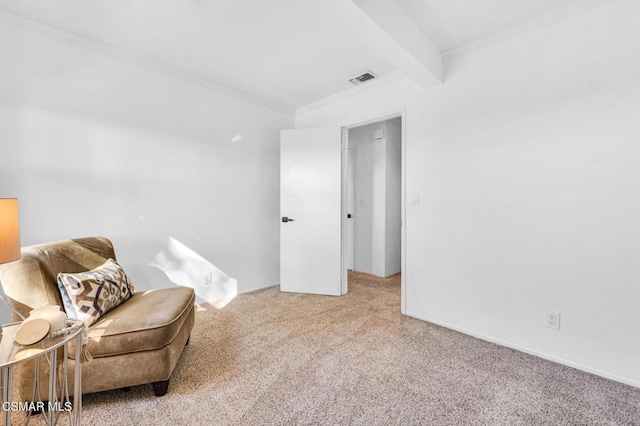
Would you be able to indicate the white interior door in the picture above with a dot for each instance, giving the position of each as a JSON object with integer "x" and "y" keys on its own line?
{"x": 310, "y": 209}
{"x": 351, "y": 208}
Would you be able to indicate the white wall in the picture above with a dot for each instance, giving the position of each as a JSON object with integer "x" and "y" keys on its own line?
{"x": 377, "y": 197}
{"x": 92, "y": 145}
{"x": 526, "y": 161}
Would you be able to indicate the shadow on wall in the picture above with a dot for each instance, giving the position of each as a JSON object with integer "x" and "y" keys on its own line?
{"x": 185, "y": 267}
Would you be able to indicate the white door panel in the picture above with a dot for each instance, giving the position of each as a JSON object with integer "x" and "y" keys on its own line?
{"x": 310, "y": 194}
{"x": 351, "y": 208}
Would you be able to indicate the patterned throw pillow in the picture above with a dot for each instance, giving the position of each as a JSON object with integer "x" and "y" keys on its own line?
{"x": 89, "y": 295}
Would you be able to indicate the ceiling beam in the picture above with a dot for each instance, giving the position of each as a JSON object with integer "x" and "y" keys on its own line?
{"x": 402, "y": 43}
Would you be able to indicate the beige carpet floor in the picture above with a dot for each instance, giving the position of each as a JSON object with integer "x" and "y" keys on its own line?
{"x": 279, "y": 358}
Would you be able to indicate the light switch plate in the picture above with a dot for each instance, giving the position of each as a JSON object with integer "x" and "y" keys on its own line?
{"x": 415, "y": 198}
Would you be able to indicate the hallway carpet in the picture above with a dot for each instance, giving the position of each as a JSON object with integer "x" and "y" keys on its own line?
{"x": 281, "y": 358}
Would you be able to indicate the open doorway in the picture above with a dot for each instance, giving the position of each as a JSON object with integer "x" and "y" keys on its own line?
{"x": 314, "y": 209}
{"x": 374, "y": 199}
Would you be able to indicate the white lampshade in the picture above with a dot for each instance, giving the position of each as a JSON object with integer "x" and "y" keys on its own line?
{"x": 9, "y": 230}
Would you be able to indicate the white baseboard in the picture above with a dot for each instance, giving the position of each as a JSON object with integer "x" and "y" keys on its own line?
{"x": 530, "y": 351}
{"x": 258, "y": 288}
{"x": 393, "y": 273}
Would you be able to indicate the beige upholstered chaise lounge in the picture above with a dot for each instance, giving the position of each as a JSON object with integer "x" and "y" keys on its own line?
{"x": 138, "y": 342}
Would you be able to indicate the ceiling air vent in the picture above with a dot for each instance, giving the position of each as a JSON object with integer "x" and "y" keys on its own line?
{"x": 368, "y": 75}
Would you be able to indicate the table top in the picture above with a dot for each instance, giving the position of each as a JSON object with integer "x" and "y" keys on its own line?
{"x": 13, "y": 353}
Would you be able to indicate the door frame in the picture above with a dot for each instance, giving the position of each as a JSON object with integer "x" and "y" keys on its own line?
{"x": 402, "y": 113}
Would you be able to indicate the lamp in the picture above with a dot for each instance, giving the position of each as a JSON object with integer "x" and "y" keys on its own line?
{"x": 9, "y": 230}
{"x": 9, "y": 236}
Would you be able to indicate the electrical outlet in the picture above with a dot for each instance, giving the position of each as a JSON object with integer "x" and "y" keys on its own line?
{"x": 552, "y": 320}
{"x": 208, "y": 277}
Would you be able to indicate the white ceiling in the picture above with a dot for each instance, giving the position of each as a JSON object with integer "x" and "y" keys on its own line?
{"x": 288, "y": 53}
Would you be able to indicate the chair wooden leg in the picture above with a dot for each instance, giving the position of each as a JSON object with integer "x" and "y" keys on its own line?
{"x": 160, "y": 388}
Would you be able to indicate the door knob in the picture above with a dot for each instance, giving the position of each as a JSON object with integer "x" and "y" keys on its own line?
{"x": 287, "y": 219}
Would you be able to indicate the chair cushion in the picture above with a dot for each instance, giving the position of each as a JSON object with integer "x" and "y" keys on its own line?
{"x": 149, "y": 320}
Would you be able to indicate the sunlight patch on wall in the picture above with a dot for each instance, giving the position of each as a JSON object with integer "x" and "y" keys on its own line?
{"x": 185, "y": 267}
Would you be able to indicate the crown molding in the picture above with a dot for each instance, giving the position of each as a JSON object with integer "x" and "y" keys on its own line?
{"x": 352, "y": 91}
{"x": 132, "y": 59}
{"x": 528, "y": 25}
